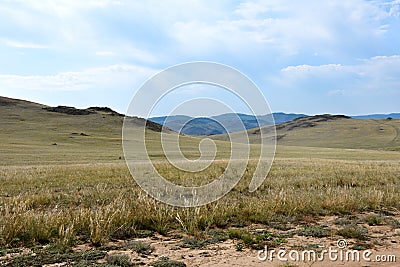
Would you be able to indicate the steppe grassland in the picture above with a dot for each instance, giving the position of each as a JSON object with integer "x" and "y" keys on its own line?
{"x": 70, "y": 203}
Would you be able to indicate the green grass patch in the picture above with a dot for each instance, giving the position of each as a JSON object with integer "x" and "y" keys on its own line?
{"x": 119, "y": 260}
{"x": 140, "y": 247}
{"x": 315, "y": 231}
{"x": 167, "y": 263}
{"x": 356, "y": 232}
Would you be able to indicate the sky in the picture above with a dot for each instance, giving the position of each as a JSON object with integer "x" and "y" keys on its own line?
{"x": 312, "y": 57}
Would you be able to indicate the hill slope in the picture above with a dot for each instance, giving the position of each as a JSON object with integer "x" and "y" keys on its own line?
{"x": 31, "y": 132}
{"x": 333, "y": 131}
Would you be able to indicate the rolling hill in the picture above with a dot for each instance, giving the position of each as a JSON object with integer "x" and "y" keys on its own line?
{"x": 333, "y": 131}
{"x": 31, "y": 132}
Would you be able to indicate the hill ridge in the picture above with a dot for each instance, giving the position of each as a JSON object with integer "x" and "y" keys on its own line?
{"x": 331, "y": 131}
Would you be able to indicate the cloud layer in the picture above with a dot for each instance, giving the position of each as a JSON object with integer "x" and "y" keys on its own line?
{"x": 328, "y": 50}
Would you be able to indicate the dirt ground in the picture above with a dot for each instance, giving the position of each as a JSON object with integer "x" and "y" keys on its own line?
{"x": 225, "y": 254}
{"x": 382, "y": 240}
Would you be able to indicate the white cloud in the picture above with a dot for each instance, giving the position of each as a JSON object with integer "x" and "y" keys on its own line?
{"x": 274, "y": 28}
{"x": 195, "y": 89}
{"x": 286, "y": 28}
{"x": 304, "y": 70}
{"x": 336, "y": 92}
{"x": 393, "y": 7}
{"x": 320, "y": 41}
{"x": 18, "y": 44}
{"x": 252, "y": 9}
{"x": 73, "y": 26}
{"x": 378, "y": 75}
{"x": 114, "y": 77}
{"x": 129, "y": 52}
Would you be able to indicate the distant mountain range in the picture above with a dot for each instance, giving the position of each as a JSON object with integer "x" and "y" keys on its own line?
{"x": 377, "y": 116}
{"x": 230, "y": 122}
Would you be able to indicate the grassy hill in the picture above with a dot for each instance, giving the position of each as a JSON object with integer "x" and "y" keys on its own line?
{"x": 333, "y": 131}
{"x": 32, "y": 133}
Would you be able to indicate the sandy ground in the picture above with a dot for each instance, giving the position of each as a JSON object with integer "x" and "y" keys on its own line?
{"x": 383, "y": 241}
{"x": 224, "y": 254}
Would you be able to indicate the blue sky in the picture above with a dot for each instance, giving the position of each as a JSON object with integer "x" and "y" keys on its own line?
{"x": 306, "y": 56}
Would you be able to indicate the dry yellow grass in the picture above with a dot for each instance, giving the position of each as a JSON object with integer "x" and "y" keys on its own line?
{"x": 95, "y": 202}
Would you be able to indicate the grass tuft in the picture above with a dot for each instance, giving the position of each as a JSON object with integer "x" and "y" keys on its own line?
{"x": 315, "y": 231}
{"x": 167, "y": 263}
{"x": 140, "y": 247}
{"x": 119, "y": 260}
{"x": 356, "y": 232}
